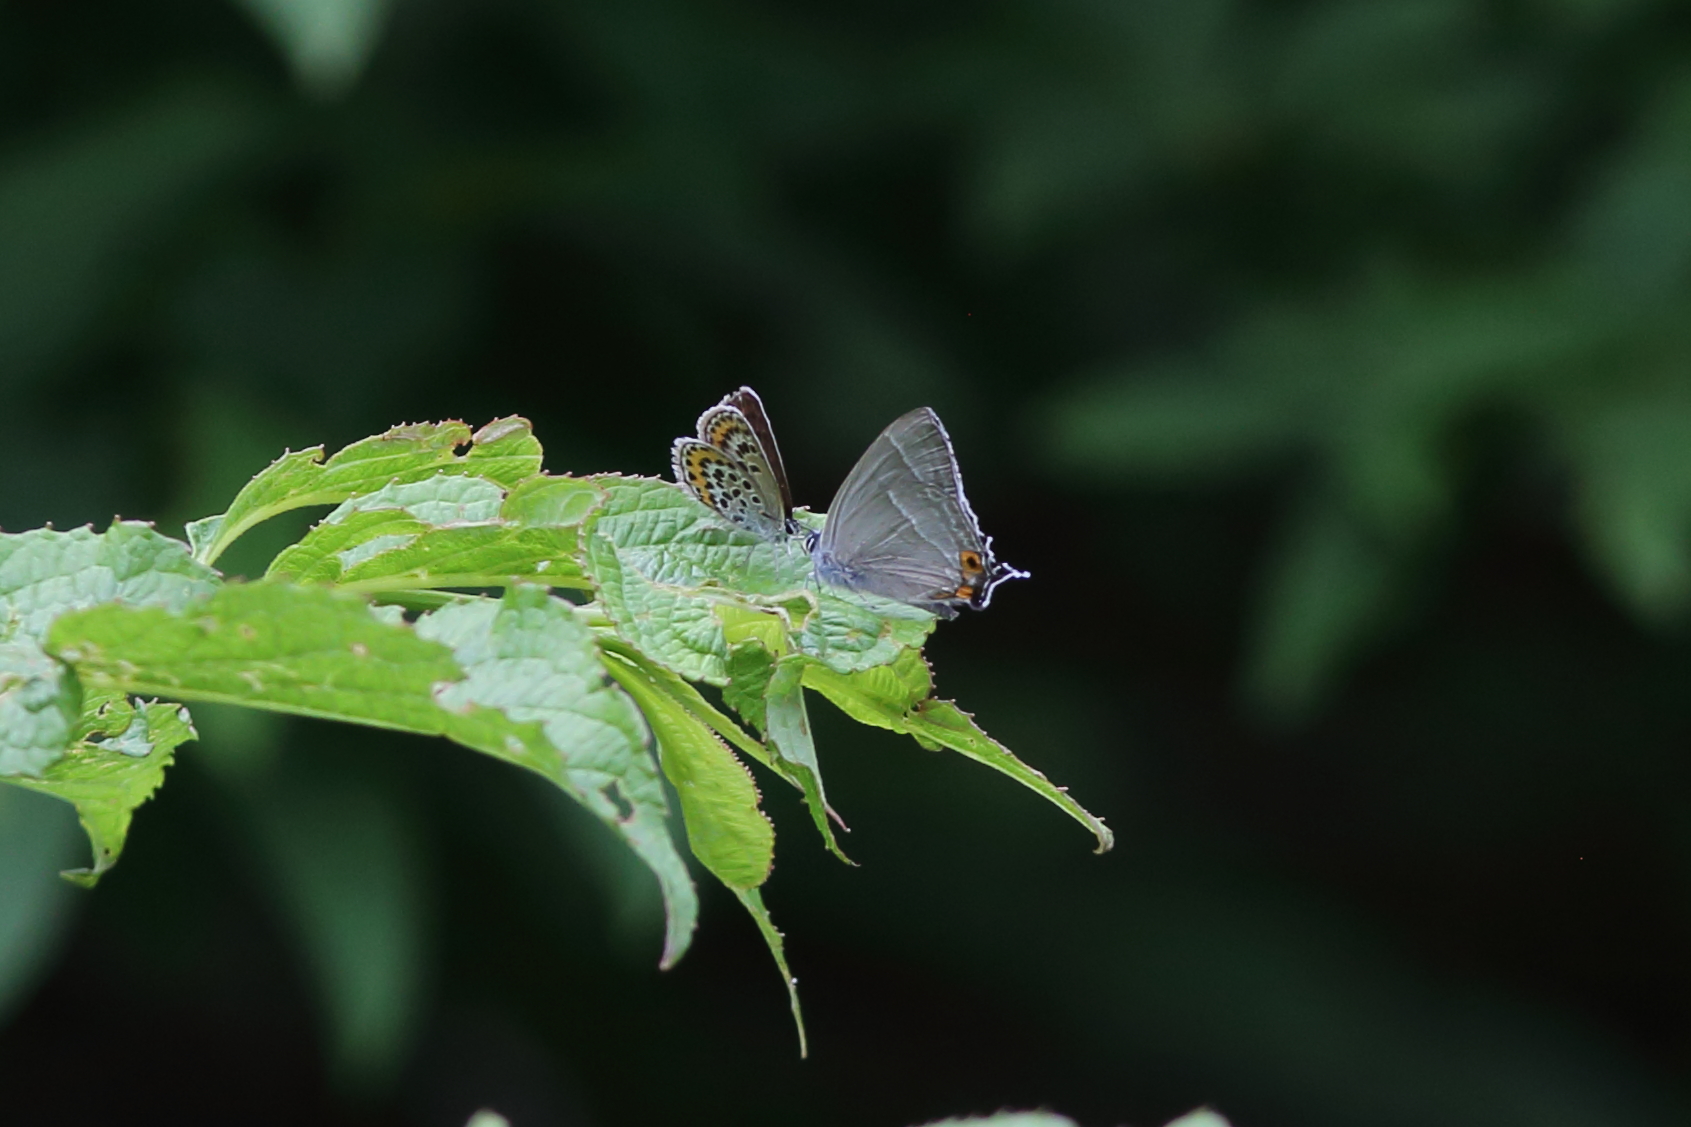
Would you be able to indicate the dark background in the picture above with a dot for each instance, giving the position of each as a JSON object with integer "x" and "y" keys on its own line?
{"x": 1328, "y": 364}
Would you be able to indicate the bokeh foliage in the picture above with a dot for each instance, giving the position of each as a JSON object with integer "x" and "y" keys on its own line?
{"x": 1324, "y": 362}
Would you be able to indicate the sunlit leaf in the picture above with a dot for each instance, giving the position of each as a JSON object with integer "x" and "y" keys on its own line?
{"x": 683, "y": 693}
{"x": 659, "y": 558}
{"x": 851, "y": 632}
{"x": 115, "y": 767}
{"x": 504, "y": 451}
{"x": 662, "y": 534}
{"x": 44, "y": 573}
{"x": 292, "y": 649}
{"x": 530, "y": 658}
{"x": 39, "y": 705}
{"x": 896, "y": 697}
{"x": 788, "y": 725}
{"x": 450, "y": 530}
{"x": 752, "y": 899}
{"x": 750, "y": 666}
{"x": 520, "y": 681}
{"x": 727, "y": 831}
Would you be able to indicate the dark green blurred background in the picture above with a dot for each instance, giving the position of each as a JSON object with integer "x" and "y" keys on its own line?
{"x": 1328, "y": 364}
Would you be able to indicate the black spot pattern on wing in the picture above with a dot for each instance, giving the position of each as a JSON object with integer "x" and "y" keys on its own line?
{"x": 733, "y": 436}
{"x": 721, "y": 482}
{"x": 729, "y": 468}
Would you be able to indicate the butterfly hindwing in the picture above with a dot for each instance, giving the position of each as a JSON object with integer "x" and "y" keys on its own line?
{"x": 727, "y": 430}
{"x": 734, "y": 469}
{"x": 746, "y": 401}
{"x": 901, "y": 527}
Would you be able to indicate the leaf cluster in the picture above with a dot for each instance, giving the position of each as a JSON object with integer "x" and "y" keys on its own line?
{"x": 431, "y": 599}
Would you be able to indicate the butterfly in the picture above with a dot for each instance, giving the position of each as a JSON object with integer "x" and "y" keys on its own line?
{"x": 734, "y": 467}
{"x": 900, "y": 526}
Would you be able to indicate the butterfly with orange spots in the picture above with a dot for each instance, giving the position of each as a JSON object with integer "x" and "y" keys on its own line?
{"x": 734, "y": 467}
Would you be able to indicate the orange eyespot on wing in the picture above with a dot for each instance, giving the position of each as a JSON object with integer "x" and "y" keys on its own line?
{"x": 971, "y": 563}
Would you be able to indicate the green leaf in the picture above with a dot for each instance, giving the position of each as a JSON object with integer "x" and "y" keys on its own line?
{"x": 789, "y": 733}
{"x": 940, "y": 723}
{"x": 661, "y": 533}
{"x": 753, "y": 901}
{"x": 662, "y": 563}
{"x": 267, "y": 645}
{"x": 750, "y": 666}
{"x": 668, "y": 570}
{"x": 873, "y": 696}
{"x": 851, "y": 632}
{"x": 688, "y": 697}
{"x": 531, "y": 658}
{"x": 44, "y": 573}
{"x": 449, "y": 530}
{"x": 670, "y": 625}
{"x": 39, "y": 706}
{"x": 728, "y": 833}
{"x": 896, "y": 697}
{"x": 552, "y": 502}
{"x": 521, "y": 682}
{"x": 504, "y": 451}
{"x": 113, "y": 769}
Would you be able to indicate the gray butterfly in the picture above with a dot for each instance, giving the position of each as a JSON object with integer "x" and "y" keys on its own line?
{"x": 735, "y": 467}
{"x": 900, "y": 526}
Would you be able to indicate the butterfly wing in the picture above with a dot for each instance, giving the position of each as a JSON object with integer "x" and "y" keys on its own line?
{"x": 900, "y": 525}
{"x": 724, "y": 484}
{"x": 735, "y": 468}
{"x": 746, "y": 401}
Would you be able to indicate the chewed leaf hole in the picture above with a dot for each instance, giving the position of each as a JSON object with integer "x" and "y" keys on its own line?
{"x": 624, "y": 808}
